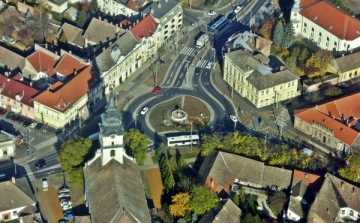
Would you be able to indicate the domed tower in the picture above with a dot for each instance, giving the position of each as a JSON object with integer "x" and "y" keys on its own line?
{"x": 295, "y": 17}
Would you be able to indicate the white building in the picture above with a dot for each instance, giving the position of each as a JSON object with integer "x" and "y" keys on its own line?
{"x": 7, "y": 145}
{"x": 327, "y": 25}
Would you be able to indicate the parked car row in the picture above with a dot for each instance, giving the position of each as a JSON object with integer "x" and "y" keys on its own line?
{"x": 65, "y": 203}
{"x": 26, "y": 122}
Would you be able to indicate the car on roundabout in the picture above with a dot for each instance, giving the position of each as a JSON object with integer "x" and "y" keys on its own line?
{"x": 233, "y": 118}
{"x": 237, "y": 9}
{"x": 156, "y": 90}
{"x": 211, "y": 12}
{"x": 144, "y": 110}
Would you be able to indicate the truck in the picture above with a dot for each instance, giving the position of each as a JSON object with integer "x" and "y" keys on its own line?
{"x": 202, "y": 40}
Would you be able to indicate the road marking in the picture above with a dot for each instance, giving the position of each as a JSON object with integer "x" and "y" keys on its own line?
{"x": 48, "y": 142}
{"x": 28, "y": 173}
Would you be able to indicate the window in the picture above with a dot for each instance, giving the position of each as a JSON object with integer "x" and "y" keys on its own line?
{"x": 327, "y": 41}
{"x": 267, "y": 91}
{"x": 14, "y": 213}
{"x": 351, "y": 213}
{"x": 112, "y": 153}
{"x": 289, "y": 84}
{"x": 342, "y": 212}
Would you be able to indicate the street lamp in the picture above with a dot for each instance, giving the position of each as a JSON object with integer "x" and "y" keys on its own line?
{"x": 190, "y": 135}
{"x": 266, "y": 136}
{"x": 29, "y": 148}
{"x": 136, "y": 115}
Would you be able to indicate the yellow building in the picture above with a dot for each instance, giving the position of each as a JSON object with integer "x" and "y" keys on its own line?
{"x": 348, "y": 67}
{"x": 250, "y": 75}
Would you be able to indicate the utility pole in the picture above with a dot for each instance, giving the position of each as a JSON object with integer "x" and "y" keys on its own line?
{"x": 156, "y": 73}
{"x": 29, "y": 148}
{"x": 191, "y": 135}
{"x": 266, "y": 136}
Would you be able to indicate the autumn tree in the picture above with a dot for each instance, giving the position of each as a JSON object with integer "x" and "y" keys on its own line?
{"x": 277, "y": 202}
{"x": 202, "y": 200}
{"x": 72, "y": 158}
{"x": 249, "y": 218}
{"x": 351, "y": 171}
{"x": 267, "y": 27}
{"x": 278, "y": 34}
{"x": 281, "y": 156}
{"x": 320, "y": 60}
{"x": 333, "y": 91}
{"x": 244, "y": 144}
{"x": 209, "y": 143}
{"x": 136, "y": 143}
{"x": 179, "y": 204}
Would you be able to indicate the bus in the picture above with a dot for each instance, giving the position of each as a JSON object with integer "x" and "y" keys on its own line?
{"x": 182, "y": 140}
{"x": 220, "y": 23}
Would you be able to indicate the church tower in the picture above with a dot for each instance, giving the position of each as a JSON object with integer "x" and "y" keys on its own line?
{"x": 111, "y": 135}
{"x": 296, "y": 17}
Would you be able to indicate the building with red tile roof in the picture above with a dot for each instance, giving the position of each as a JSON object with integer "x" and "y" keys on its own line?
{"x": 68, "y": 65}
{"x": 63, "y": 101}
{"x": 17, "y": 96}
{"x": 145, "y": 28}
{"x": 338, "y": 32}
{"x": 42, "y": 63}
{"x": 334, "y": 123}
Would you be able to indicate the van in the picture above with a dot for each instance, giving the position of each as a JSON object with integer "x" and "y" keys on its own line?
{"x": 2, "y": 176}
{"x": 45, "y": 184}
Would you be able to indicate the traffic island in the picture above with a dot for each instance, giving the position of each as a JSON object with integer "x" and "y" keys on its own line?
{"x": 197, "y": 115}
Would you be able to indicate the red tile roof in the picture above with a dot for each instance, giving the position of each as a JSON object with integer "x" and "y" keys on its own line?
{"x": 61, "y": 96}
{"x": 135, "y": 5}
{"x": 68, "y": 64}
{"x": 340, "y": 23}
{"x": 42, "y": 62}
{"x": 12, "y": 87}
{"x": 311, "y": 180}
{"x": 329, "y": 115}
{"x": 144, "y": 28}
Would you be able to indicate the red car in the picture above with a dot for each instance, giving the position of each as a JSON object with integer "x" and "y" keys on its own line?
{"x": 2, "y": 111}
{"x": 156, "y": 90}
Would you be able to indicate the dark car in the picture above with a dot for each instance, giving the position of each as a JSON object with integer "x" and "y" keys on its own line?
{"x": 38, "y": 126}
{"x": 40, "y": 163}
{"x": 27, "y": 122}
{"x": 2, "y": 111}
{"x": 10, "y": 115}
{"x": 20, "y": 120}
{"x": 15, "y": 117}
{"x": 197, "y": 70}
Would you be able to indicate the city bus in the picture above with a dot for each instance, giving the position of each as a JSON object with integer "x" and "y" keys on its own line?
{"x": 183, "y": 140}
{"x": 218, "y": 24}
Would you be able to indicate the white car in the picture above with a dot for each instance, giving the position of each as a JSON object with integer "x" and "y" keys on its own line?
{"x": 32, "y": 125}
{"x": 308, "y": 151}
{"x": 233, "y": 118}
{"x": 212, "y": 12}
{"x": 144, "y": 110}
{"x": 237, "y": 9}
{"x": 208, "y": 65}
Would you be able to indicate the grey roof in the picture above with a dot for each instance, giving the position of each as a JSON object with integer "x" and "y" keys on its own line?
{"x": 58, "y": 2}
{"x": 73, "y": 34}
{"x": 124, "y": 44}
{"x": 263, "y": 81}
{"x": 101, "y": 31}
{"x": 243, "y": 59}
{"x": 160, "y": 11}
{"x": 296, "y": 207}
{"x": 115, "y": 192}
{"x": 226, "y": 211}
{"x": 111, "y": 119}
{"x": 298, "y": 188}
{"x": 348, "y": 62}
{"x": 11, "y": 60}
{"x": 221, "y": 165}
{"x": 15, "y": 195}
{"x": 334, "y": 193}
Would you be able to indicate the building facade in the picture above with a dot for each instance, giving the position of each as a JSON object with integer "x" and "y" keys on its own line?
{"x": 338, "y": 32}
{"x": 348, "y": 66}
{"x": 249, "y": 75}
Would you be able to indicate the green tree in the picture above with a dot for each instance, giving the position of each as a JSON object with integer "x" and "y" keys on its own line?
{"x": 351, "y": 171}
{"x": 304, "y": 54}
{"x": 202, "y": 200}
{"x": 288, "y": 37}
{"x": 314, "y": 96}
{"x": 249, "y": 218}
{"x": 295, "y": 52}
{"x": 291, "y": 62}
{"x": 72, "y": 158}
{"x": 166, "y": 173}
{"x": 321, "y": 60}
{"x": 281, "y": 156}
{"x": 278, "y": 34}
{"x": 136, "y": 143}
{"x": 277, "y": 202}
{"x": 244, "y": 144}
{"x": 209, "y": 143}
{"x": 81, "y": 19}
{"x": 333, "y": 91}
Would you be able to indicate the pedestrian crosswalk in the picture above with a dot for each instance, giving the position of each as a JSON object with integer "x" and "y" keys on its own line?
{"x": 204, "y": 64}
{"x": 189, "y": 51}
{"x": 46, "y": 143}
{"x": 24, "y": 170}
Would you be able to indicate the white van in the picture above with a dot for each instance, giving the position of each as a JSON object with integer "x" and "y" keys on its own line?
{"x": 2, "y": 176}
{"x": 308, "y": 151}
{"x": 45, "y": 184}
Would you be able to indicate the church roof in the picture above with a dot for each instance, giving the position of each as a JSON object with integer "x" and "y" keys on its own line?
{"x": 111, "y": 119}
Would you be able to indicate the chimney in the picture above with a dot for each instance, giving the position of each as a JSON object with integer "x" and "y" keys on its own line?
{"x": 55, "y": 55}
{"x": 342, "y": 55}
{"x": 104, "y": 49}
{"x": 159, "y": 4}
{"x": 7, "y": 73}
{"x": 75, "y": 72}
{"x": 282, "y": 68}
{"x": 106, "y": 21}
{"x": 70, "y": 52}
{"x": 306, "y": 176}
{"x": 100, "y": 18}
{"x": 152, "y": 11}
{"x": 46, "y": 45}
{"x": 248, "y": 67}
{"x": 13, "y": 180}
{"x": 342, "y": 185}
{"x": 49, "y": 88}
{"x": 257, "y": 43}
{"x": 137, "y": 21}
{"x": 31, "y": 83}
{"x": 143, "y": 14}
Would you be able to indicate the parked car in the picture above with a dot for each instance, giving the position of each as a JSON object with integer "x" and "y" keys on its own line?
{"x": 38, "y": 126}
{"x": 10, "y": 115}
{"x": 343, "y": 85}
{"x": 2, "y": 111}
{"x": 45, "y": 184}
{"x": 307, "y": 151}
{"x": 67, "y": 207}
{"x": 40, "y": 164}
{"x": 144, "y": 110}
{"x": 208, "y": 65}
{"x": 32, "y": 125}
{"x": 64, "y": 194}
{"x": 63, "y": 190}
{"x": 69, "y": 216}
{"x": 156, "y": 90}
{"x": 211, "y": 12}
{"x": 27, "y": 122}
{"x": 237, "y": 9}
{"x": 197, "y": 70}
{"x": 65, "y": 203}
{"x": 15, "y": 117}
{"x": 20, "y": 120}
{"x": 233, "y": 118}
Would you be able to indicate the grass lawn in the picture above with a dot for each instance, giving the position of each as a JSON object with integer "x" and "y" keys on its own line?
{"x": 160, "y": 74}
{"x": 155, "y": 159}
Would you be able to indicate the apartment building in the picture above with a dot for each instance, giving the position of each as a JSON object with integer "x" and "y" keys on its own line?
{"x": 127, "y": 8}
{"x": 348, "y": 66}
{"x": 250, "y": 75}
{"x": 338, "y": 32}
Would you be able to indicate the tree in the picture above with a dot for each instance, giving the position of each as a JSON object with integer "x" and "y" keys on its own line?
{"x": 303, "y": 55}
{"x": 281, "y": 156}
{"x": 249, "y": 218}
{"x": 351, "y": 171}
{"x": 333, "y": 91}
{"x": 136, "y": 143}
{"x": 180, "y": 204}
{"x": 81, "y": 19}
{"x": 202, "y": 200}
{"x": 288, "y": 37}
{"x": 72, "y": 157}
{"x": 244, "y": 144}
{"x": 267, "y": 27}
{"x": 277, "y": 202}
{"x": 278, "y": 34}
{"x": 314, "y": 96}
{"x": 209, "y": 143}
{"x": 322, "y": 59}
{"x": 291, "y": 62}
{"x": 295, "y": 52}
{"x": 166, "y": 173}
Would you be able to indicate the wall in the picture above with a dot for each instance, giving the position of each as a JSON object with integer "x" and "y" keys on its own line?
{"x": 16, "y": 106}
